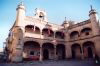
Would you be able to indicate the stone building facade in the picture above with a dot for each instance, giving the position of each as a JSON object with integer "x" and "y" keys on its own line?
{"x": 34, "y": 38}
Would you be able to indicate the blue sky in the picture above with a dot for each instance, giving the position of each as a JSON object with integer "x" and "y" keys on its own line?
{"x": 76, "y": 10}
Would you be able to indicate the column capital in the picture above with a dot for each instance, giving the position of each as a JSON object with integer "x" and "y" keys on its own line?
{"x": 40, "y": 45}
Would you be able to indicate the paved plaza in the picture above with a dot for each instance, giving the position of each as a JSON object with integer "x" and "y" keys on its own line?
{"x": 54, "y": 63}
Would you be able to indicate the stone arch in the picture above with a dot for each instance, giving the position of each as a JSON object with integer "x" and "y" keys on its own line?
{"x": 59, "y": 34}
{"x": 86, "y": 31}
{"x": 76, "y": 51}
{"x": 29, "y": 28}
{"x": 88, "y": 49}
{"x": 60, "y": 51}
{"x": 37, "y": 30}
{"x": 74, "y": 34}
{"x": 48, "y": 32}
{"x": 32, "y": 29}
{"x": 31, "y": 51}
{"x": 48, "y": 51}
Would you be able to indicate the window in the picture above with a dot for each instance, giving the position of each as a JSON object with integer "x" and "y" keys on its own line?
{"x": 87, "y": 33}
{"x": 31, "y": 52}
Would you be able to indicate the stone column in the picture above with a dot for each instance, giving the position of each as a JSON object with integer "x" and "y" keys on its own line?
{"x": 54, "y": 35}
{"x": 68, "y": 51}
{"x": 55, "y": 56}
{"x": 82, "y": 53}
{"x": 41, "y": 54}
{"x": 55, "y": 42}
{"x": 97, "y": 46}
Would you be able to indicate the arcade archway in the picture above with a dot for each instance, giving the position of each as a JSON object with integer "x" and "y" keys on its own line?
{"x": 60, "y": 52}
{"x": 31, "y": 51}
{"x": 48, "y": 51}
{"x": 76, "y": 51}
{"x": 88, "y": 49}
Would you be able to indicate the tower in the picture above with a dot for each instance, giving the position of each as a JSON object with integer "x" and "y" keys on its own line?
{"x": 17, "y": 45}
{"x": 41, "y": 14}
{"x": 94, "y": 21}
{"x": 96, "y": 29}
{"x": 65, "y": 23}
{"x": 20, "y": 14}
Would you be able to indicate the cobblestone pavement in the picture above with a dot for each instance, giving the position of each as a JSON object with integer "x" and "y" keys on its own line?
{"x": 54, "y": 63}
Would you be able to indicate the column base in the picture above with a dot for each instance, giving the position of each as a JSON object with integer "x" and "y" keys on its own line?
{"x": 16, "y": 59}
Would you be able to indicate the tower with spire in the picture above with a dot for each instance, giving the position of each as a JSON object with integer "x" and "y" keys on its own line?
{"x": 65, "y": 23}
{"x": 20, "y": 16}
{"x": 95, "y": 28}
{"x": 94, "y": 21}
{"x": 17, "y": 31}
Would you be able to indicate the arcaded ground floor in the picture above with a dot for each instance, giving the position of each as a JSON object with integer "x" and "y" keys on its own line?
{"x": 54, "y": 63}
{"x": 33, "y": 51}
{"x": 49, "y": 51}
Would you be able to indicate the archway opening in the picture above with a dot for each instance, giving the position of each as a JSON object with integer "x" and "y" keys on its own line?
{"x": 31, "y": 51}
{"x": 29, "y": 28}
{"x": 48, "y": 51}
{"x": 61, "y": 51}
{"x": 32, "y": 29}
{"x": 45, "y": 54}
{"x": 37, "y": 30}
{"x": 86, "y": 31}
{"x": 90, "y": 54}
{"x": 73, "y": 54}
{"x": 74, "y": 35}
{"x": 47, "y": 32}
{"x": 76, "y": 51}
{"x": 88, "y": 49}
{"x": 59, "y": 35}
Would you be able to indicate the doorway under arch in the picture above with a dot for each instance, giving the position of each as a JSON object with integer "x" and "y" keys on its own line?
{"x": 90, "y": 53}
{"x": 61, "y": 51}
{"x": 88, "y": 49}
{"x": 76, "y": 51}
{"x": 48, "y": 51}
{"x": 31, "y": 51}
{"x": 45, "y": 54}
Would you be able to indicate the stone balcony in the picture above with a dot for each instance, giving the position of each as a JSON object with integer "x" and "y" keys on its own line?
{"x": 34, "y": 35}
